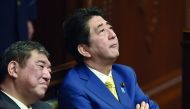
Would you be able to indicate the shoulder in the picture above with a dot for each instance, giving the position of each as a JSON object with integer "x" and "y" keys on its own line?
{"x": 123, "y": 68}
{"x": 124, "y": 71}
{"x": 75, "y": 76}
{"x": 77, "y": 73}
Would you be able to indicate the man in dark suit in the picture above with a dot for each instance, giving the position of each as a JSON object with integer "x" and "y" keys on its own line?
{"x": 96, "y": 82}
{"x": 16, "y": 18}
{"x": 24, "y": 76}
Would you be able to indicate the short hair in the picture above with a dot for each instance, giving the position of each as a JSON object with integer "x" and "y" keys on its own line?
{"x": 76, "y": 30}
{"x": 20, "y": 52}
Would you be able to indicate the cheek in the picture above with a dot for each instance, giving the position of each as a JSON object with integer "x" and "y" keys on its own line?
{"x": 100, "y": 44}
{"x": 103, "y": 45}
{"x": 99, "y": 47}
{"x": 34, "y": 77}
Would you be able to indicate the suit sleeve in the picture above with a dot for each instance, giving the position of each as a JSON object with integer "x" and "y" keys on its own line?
{"x": 70, "y": 98}
{"x": 140, "y": 96}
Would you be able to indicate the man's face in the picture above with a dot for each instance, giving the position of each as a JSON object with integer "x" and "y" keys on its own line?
{"x": 103, "y": 41}
{"x": 35, "y": 76}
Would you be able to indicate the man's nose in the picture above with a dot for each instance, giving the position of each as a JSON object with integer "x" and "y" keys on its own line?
{"x": 112, "y": 34}
{"x": 47, "y": 74}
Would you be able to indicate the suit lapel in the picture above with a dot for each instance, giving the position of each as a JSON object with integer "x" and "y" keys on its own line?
{"x": 95, "y": 85}
{"x": 8, "y": 102}
{"x": 121, "y": 91}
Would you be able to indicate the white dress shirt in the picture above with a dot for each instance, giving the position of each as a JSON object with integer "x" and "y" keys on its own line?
{"x": 101, "y": 76}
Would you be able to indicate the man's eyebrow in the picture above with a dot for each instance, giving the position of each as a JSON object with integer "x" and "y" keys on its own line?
{"x": 40, "y": 61}
{"x": 107, "y": 23}
{"x": 100, "y": 25}
{"x": 43, "y": 62}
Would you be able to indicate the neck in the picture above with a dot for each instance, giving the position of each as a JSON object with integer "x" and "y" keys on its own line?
{"x": 101, "y": 67}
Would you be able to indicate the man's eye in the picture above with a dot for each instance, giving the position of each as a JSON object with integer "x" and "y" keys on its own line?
{"x": 111, "y": 27}
{"x": 102, "y": 30}
{"x": 41, "y": 66}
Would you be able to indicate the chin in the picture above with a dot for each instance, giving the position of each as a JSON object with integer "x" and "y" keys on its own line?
{"x": 113, "y": 59}
{"x": 41, "y": 93}
{"x": 117, "y": 55}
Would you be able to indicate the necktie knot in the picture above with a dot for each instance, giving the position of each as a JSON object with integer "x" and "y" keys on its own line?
{"x": 111, "y": 86}
{"x": 110, "y": 83}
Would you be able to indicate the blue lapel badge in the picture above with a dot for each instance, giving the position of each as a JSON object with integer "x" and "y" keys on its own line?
{"x": 122, "y": 90}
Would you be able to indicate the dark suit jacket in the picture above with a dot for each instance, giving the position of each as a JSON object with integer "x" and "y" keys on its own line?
{"x": 13, "y": 21}
{"x": 81, "y": 89}
{"x": 7, "y": 103}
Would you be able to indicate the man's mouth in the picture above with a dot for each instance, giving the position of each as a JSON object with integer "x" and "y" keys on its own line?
{"x": 113, "y": 46}
{"x": 45, "y": 84}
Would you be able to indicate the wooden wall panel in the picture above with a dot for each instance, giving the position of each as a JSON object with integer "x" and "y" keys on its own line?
{"x": 187, "y": 23}
{"x": 149, "y": 48}
{"x": 48, "y": 26}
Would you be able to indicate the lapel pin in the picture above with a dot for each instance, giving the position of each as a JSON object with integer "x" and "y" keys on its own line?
{"x": 122, "y": 87}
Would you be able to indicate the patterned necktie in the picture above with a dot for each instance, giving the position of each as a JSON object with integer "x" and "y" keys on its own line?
{"x": 111, "y": 86}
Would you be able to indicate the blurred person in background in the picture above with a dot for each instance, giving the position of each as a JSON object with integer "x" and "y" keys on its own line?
{"x": 16, "y": 17}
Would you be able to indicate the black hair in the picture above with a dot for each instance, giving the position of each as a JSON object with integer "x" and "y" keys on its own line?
{"x": 76, "y": 30}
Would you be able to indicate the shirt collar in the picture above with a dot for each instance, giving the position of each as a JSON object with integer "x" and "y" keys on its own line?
{"x": 100, "y": 75}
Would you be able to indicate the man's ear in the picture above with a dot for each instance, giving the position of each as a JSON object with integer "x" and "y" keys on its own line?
{"x": 83, "y": 50}
{"x": 13, "y": 69}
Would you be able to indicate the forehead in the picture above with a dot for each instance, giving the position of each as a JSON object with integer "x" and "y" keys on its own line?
{"x": 95, "y": 21}
{"x": 37, "y": 56}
